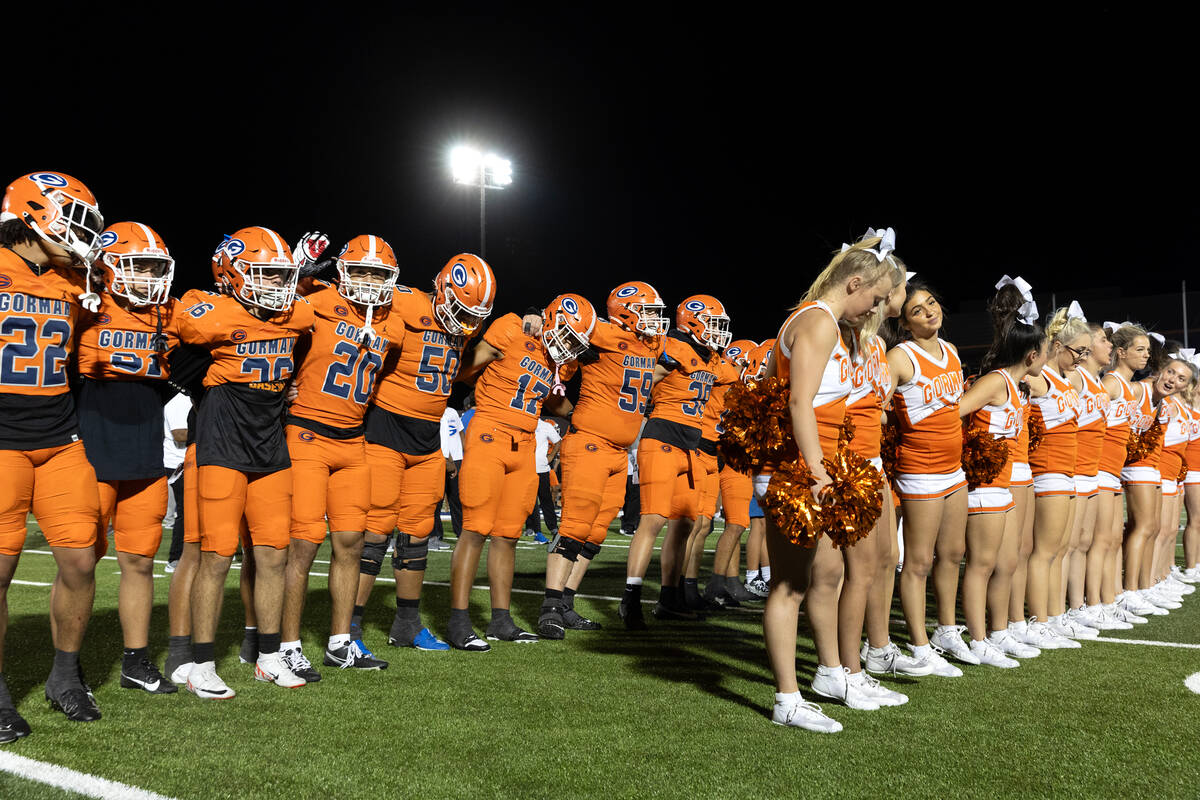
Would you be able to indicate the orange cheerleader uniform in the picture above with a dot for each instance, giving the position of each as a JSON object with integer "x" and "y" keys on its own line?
{"x": 1053, "y": 463}
{"x": 930, "y": 456}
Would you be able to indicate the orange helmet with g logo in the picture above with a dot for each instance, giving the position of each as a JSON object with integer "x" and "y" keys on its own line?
{"x": 371, "y": 253}
{"x": 738, "y": 351}
{"x": 463, "y": 293}
{"x": 637, "y": 307}
{"x": 59, "y": 209}
{"x": 567, "y": 325}
{"x": 756, "y": 364}
{"x": 134, "y": 264}
{"x": 255, "y": 266}
{"x": 704, "y": 317}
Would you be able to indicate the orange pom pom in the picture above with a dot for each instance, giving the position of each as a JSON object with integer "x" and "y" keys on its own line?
{"x": 1141, "y": 445}
{"x": 789, "y": 503}
{"x": 758, "y": 426}
{"x": 983, "y": 456}
{"x": 852, "y": 503}
{"x": 1037, "y": 430}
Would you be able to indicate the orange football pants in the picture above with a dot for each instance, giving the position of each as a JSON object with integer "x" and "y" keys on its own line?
{"x": 405, "y": 490}
{"x": 136, "y": 509}
{"x": 593, "y": 476}
{"x": 708, "y": 479}
{"x": 498, "y": 481}
{"x": 226, "y": 496}
{"x": 58, "y": 485}
{"x": 191, "y": 501}
{"x": 736, "y": 490}
{"x": 330, "y": 480}
{"x": 665, "y": 476}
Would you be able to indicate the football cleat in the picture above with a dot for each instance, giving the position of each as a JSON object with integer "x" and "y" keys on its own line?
{"x": 298, "y": 663}
{"x": 424, "y": 640}
{"x": 74, "y": 701}
{"x": 350, "y": 657}
{"x": 204, "y": 682}
{"x": 145, "y": 676}
{"x": 179, "y": 672}
{"x": 575, "y": 621}
{"x": 551, "y": 624}
{"x": 12, "y": 726}
{"x": 270, "y": 668}
{"x": 631, "y": 615}
{"x": 467, "y": 640}
{"x": 505, "y": 630}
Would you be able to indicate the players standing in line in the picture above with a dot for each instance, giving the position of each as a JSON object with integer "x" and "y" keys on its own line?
{"x": 337, "y": 365}
{"x": 122, "y": 357}
{"x": 613, "y": 393}
{"x": 812, "y": 357}
{"x": 517, "y": 375}
{"x": 243, "y": 468}
{"x": 931, "y": 484}
{"x": 49, "y": 226}
{"x": 404, "y": 443}
{"x": 667, "y": 469}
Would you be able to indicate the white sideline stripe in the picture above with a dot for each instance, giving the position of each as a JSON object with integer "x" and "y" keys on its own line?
{"x": 72, "y": 781}
{"x": 1148, "y": 642}
{"x": 29, "y": 583}
{"x": 1193, "y": 682}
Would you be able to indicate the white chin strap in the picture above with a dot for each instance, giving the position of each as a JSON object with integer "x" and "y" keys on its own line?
{"x": 558, "y": 388}
{"x": 368, "y": 333}
{"x": 89, "y": 299}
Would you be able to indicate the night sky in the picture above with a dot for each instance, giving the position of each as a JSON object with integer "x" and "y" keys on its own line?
{"x": 727, "y": 153}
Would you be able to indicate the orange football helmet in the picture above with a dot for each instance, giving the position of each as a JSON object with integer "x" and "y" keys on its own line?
{"x": 637, "y": 307}
{"x": 134, "y": 264}
{"x": 59, "y": 209}
{"x": 463, "y": 293}
{"x": 756, "y": 364}
{"x": 372, "y": 253}
{"x": 567, "y": 325}
{"x": 738, "y": 351}
{"x": 704, "y": 317}
{"x": 255, "y": 266}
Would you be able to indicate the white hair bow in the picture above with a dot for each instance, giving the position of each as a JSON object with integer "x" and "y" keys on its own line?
{"x": 886, "y": 247}
{"x": 1074, "y": 311}
{"x": 1028, "y": 312}
{"x": 1115, "y": 326}
{"x": 1157, "y": 337}
{"x": 1185, "y": 354}
{"x": 908, "y": 276}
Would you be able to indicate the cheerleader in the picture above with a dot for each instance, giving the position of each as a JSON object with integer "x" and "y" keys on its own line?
{"x": 993, "y": 405}
{"x": 1055, "y": 394}
{"x": 1092, "y": 424}
{"x": 853, "y": 283}
{"x": 1191, "y": 497}
{"x": 930, "y": 480}
{"x": 1172, "y": 469}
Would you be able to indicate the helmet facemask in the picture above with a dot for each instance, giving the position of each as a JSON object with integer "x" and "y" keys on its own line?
{"x": 270, "y": 285}
{"x": 716, "y": 330}
{"x": 366, "y": 291}
{"x": 77, "y": 229}
{"x": 652, "y": 319}
{"x": 456, "y": 317}
{"x": 143, "y": 279}
{"x": 562, "y": 342}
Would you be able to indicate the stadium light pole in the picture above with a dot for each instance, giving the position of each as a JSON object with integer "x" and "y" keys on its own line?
{"x": 470, "y": 167}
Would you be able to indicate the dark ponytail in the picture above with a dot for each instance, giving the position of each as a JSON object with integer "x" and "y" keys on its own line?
{"x": 1012, "y": 339}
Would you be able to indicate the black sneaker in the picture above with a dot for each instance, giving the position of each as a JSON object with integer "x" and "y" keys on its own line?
{"x": 467, "y": 640}
{"x": 12, "y": 726}
{"x": 550, "y": 623}
{"x": 249, "y": 652}
{"x": 670, "y": 612}
{"x": 351, "y": 657}
{"x": 295, "y": 660}
{"x": 145, "y": 676}
{"x": 575, "y": 621}
{"x": 506, "y": 630}
{"x": 75, "y": 702}
{"x": 631, "y": 614}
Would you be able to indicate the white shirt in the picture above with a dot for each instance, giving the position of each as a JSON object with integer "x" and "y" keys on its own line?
{"x": 546, "y": 434}
{"x": 175, "y": 416}
{"x": 452, "y": 429}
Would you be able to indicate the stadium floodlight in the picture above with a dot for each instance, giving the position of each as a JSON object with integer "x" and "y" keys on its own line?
{"x": 470, "y": 167}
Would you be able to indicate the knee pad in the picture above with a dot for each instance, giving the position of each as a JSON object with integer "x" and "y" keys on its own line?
{"x": 566, "y": 547}
{"x": 372, "y": 556}
{"x": 409, "y": 554}
{"x": 589, "y": 550}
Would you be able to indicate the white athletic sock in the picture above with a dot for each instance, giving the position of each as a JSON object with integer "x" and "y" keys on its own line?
{"x": 998, "y": 636}
{"x": 285, "y": 646}
{"x": 338, "y": 641}
{"x": 751, "y": 574}
{"x": 824, "y": 670}
{"x": 878, "y": 651}
{"x": 765, "y": 574}
{"x": 788, "y": 698}
{"x": 633, "y": 581}
{"x": 921, "y": 650}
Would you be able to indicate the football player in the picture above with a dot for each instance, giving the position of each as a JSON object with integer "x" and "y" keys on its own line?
{"x": 518, "y": 375}
{"x": 242, "y": 465}
{"x": 667, "y": 468}
{"x": 337, "y": 365}
{"x": 403, "y": 430}
{"x": 49, "y": 227}
{"x": 122, "y": 359}
{"x": 613, "y": 395}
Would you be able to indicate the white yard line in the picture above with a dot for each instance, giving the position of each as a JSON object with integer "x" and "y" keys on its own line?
{"x": 29, "y": 583}
{"x": 1146, "y": 642}
{"x": 1193, "y": 682}
{"x": 72, "y": 781}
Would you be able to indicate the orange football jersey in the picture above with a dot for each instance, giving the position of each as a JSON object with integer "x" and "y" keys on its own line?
{"x": 416, "y": 379}
{"x": 244, "y": 348}
{"x": 726, "y": 375}
{"x": 336, "y": 374}
{"x": 614, "y": 391}
{"x": 680, "y": 397}
{"x": 512, "y": 388}
{"x": 117, "y": 343}
{"x": 38, "y": 316}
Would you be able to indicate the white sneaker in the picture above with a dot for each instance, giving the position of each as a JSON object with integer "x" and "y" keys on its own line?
{"x": 838, "y": 685}
{"x": 1077, "y": 622}
{"x": 1119, "y": 613}
{"x": 1011, "y": 646}
{"x": 180, "y": 675}
{"x": 878, "y": 692}
{"x": 1177, "y": 586}
{"x": 1086, "y": 615}
{"x": 1104, "y": 621}
{"x": 891, "y": 659}
{"x": 988, "y": 653}
{"x": 938, "y": 665}
{"x": 949, "y": 638}
{"x": 1043, "y": 637}
{"x": 270, "y": 668}
{"x": 204, "y": 682}
{"x": 758, "y": 587}
{"x": 1065, "y": 626}
{"x": 801, "y": 714}
{"x": 1155, "y": 597}
{"x": 1191, "y": 574}
{"x": 1134, "y": 602}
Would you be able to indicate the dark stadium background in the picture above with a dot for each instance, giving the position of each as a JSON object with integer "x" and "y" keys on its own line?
{"x": 726, "y": 153}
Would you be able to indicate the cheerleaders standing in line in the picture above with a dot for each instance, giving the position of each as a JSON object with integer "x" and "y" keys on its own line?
{"x": 931, "y": 483}
{"x": 1055, "y": 405}
{"x": 993, "y": 405}
{"x": 853, "y": 283}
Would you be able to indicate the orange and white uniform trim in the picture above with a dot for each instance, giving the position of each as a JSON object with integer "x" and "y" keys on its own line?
{"x": 926, "y": 406}
{"x": 864, "y": 407}
{"x": 1145, "y": 470}
{"x": 1116, "y": 437}
{"x": 1053, "y": 463}
{"x": 1089, "y": 439}
{"x": 1002, "y": 422}
{"x": 1176, "y": 432}
{"x": 1192, "y": 453}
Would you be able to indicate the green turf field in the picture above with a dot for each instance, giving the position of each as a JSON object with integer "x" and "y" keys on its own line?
{"x": 679, "y": 711}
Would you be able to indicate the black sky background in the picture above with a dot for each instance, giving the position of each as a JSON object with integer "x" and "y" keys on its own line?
{"x": 726, "y": 153}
